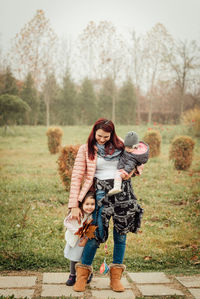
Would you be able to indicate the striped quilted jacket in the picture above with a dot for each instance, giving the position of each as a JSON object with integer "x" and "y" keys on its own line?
{"x": 82, "y": 176}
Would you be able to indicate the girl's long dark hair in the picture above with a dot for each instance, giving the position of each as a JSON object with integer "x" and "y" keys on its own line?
{"x": 89, "y": 194}
{"x": 113, "y": 143}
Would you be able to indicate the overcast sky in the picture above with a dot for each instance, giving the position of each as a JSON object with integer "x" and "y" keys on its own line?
{"x": 70, "y": 17}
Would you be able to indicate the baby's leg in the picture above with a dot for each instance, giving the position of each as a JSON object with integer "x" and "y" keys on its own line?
{"x": 117, "y": 183}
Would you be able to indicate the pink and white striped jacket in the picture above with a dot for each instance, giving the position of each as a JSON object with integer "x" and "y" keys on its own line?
{"x": 82, "y": 176}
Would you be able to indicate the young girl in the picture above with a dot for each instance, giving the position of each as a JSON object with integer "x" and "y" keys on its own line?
{"x": 74, "y": 246}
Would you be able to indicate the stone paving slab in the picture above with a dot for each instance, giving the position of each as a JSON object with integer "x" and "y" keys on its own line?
{"x": 105, "y": 294}
{"x": 149, "y": 277}
{"x": 104, "y": 283}
{"x": 158, "y": 290}
{"x": 49, "y": 290}
{"x": 17, "y": 281}
{"x": 150, "y": 284}
{"x": 195, "y": 293}
{"x": 189, "y": 281}
{"x": 55, "y": 277}
{"x": 18, "y": 293}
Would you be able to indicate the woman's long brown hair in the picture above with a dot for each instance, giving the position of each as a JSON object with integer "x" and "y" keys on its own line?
{"x": 113, "y": 143}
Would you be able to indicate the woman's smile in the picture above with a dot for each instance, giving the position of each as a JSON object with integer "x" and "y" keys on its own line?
{"x": 102, "y": 137}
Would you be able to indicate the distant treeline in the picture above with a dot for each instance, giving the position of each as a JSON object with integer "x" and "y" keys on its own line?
{"x": 72, "y": 104}
{"x": 146, "y": 78}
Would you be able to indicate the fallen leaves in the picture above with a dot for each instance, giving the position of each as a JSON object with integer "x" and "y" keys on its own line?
{"x": 147, "y": 258}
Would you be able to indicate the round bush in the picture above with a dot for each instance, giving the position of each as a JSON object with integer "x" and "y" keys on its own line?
{"x": 181, "y": 152}
{"x": 153, "y": 138}
{"x": 54, "y": 139}
{"x": 66, "y": 163}
{"x": 192, "y": 119}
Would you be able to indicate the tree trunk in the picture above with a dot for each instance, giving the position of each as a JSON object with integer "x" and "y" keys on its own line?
{"x": 47, "y": 114}
{"x": 138, "y": 111}
{"x": 182, "y": 104}
{"x": 150, "y": 110}
{"x": 113, "y": 107}
{"x": 46, "y": 100}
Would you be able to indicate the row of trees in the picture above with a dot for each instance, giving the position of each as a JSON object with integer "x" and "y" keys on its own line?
{"x": 68, "y": 104}
{"x": 143, "y": 78}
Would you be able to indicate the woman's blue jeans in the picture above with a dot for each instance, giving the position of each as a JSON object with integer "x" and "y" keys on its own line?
{"x": 92, "y": 245}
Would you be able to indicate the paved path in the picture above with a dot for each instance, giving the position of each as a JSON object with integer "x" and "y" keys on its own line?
{"x": 147, "y": 284}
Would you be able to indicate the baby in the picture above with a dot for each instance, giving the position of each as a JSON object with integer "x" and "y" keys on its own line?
{"x": 135, "y": 153}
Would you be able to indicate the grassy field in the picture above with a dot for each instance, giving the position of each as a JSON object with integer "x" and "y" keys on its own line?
{"x": 34, "y": 203}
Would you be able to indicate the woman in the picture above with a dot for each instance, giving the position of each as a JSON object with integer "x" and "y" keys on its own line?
{"x": 95, "y": 167}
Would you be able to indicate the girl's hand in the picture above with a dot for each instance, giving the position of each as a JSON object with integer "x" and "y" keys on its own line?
{"x": 83, "y": 242}
{"x": 76, "y": 214}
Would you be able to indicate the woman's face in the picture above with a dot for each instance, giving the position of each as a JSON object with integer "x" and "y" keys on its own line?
{"x": 102, "y": 137}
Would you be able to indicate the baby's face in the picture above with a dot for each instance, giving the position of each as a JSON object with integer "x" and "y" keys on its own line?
{"x": 89, "y": 205}
{"x": 131, "y": 149}
{"x": 128, "y": 149}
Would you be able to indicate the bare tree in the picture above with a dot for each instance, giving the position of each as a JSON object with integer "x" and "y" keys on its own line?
{"x": 136, "y": 67}
{"x": 184, "y": 61}
{"x": 65, "y": 58}
{"x": 103, "y": 53}
{"x": 157, "y": 44}
{"x": 33, "y": 49}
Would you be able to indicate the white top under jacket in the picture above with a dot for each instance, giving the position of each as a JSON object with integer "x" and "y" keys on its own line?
{"x": 72, "y": 250}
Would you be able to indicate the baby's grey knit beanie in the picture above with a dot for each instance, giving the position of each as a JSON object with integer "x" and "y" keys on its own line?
{"x": 131, "y": 139}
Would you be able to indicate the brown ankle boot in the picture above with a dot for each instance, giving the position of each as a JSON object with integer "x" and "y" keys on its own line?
{"x": 82, "y": 274}
{"x": 116, "y": 271}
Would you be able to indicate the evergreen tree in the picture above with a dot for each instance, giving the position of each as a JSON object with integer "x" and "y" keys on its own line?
{"x": 87, "y": 103}
{"x": 67, "y": 105}
{"x": 8, "y": 83}
{"x": 12, "y": 109}
{"x": 29, "y": 95}
{"x": 126, "y": 104}
{"x": 105, "y": 99}
{"x": 2, "y": 77}
{"x": 41, "y": 111}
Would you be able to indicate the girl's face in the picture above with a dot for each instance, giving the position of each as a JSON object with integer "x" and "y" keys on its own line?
{"x": 89, "y": 205}
{"x": 102, "y": 137}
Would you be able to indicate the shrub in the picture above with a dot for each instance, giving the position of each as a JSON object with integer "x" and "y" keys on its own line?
{"x": 181, "y": 152}
{"x": 66, "y": 163}
{"x": 192, "y": 119}
{"x": 54, "y": 139}
{"x": 153, "y": 138}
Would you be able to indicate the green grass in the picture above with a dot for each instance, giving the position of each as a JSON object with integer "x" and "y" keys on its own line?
{"x": 34, "y": 203}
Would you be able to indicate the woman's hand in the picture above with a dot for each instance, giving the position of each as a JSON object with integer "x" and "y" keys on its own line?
{"x": 128, "y": 176}
{"x": 76, "y": 214}
{"x": 139, "y": 169}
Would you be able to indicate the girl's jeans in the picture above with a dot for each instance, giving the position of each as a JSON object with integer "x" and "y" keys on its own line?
{"x": 92, "y": 245}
